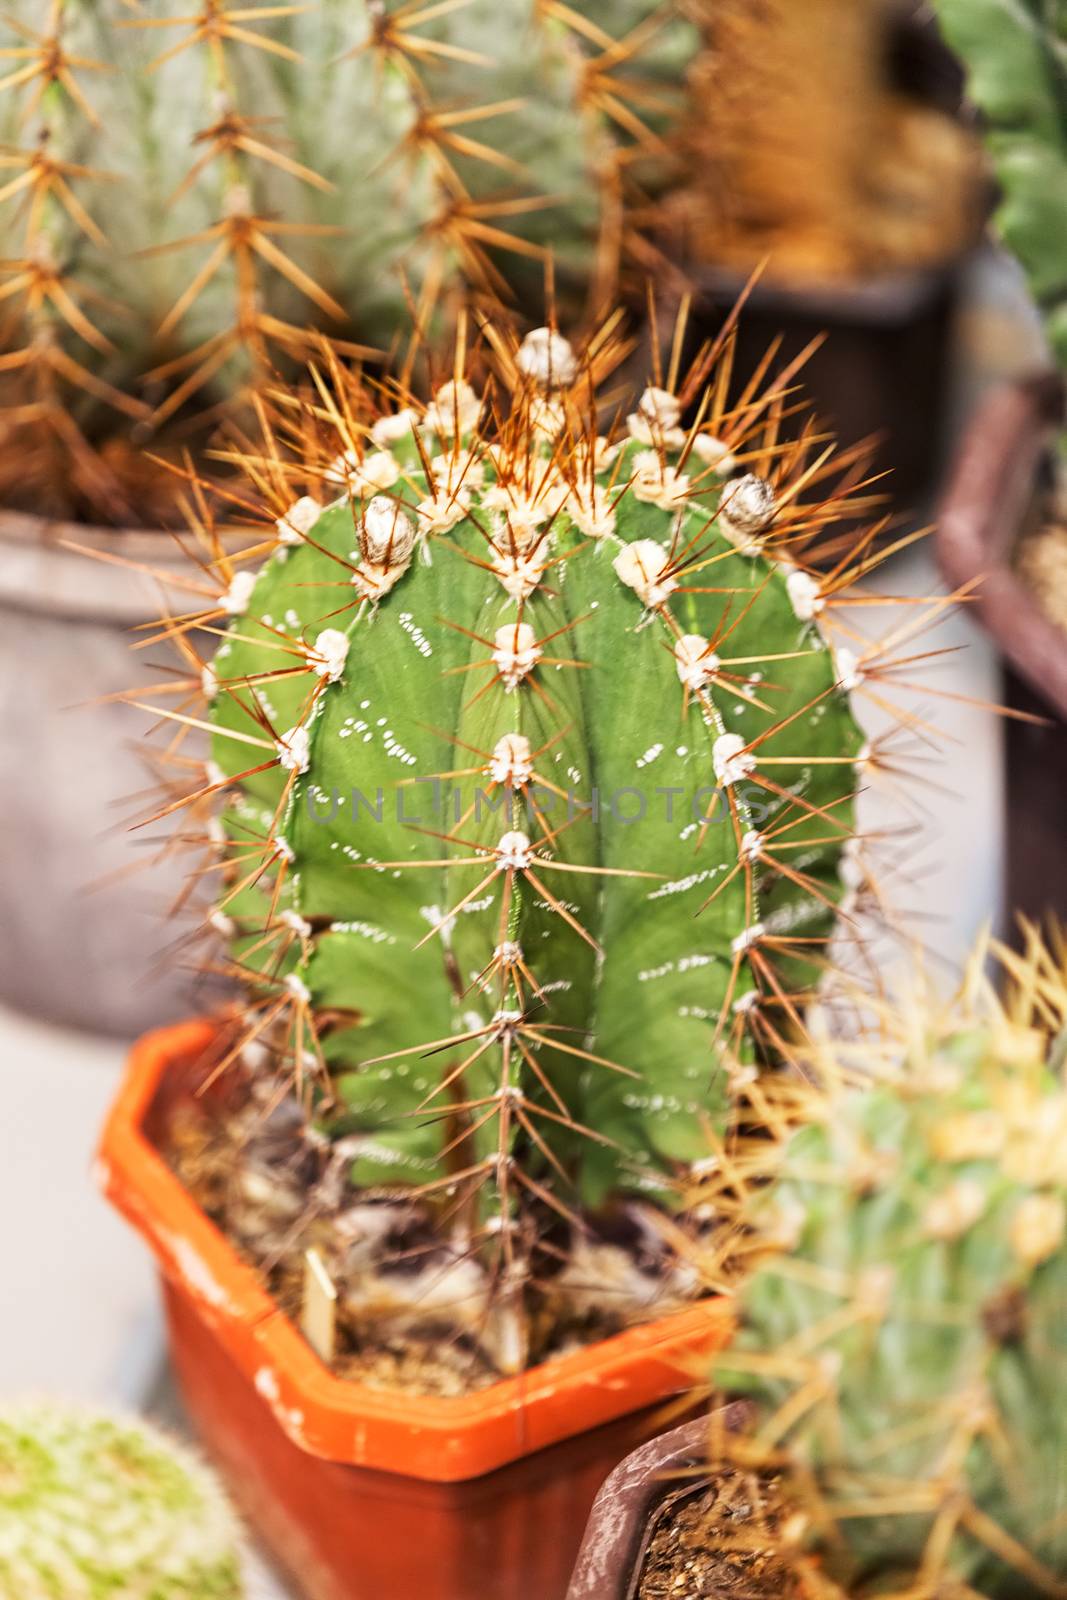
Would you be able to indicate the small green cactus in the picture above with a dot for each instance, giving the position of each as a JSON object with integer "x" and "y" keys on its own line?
{"x": 97, "y": 1507}
{"x": 904, "y": 1331}
{"x": 1016, "y": 57}
{"x": 538, "y": 770}
{"x": 188, "y": 185}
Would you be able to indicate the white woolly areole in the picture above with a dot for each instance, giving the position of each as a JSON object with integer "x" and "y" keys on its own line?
{"x": 850, "y": 673}
{"x": 235, "y": 600}
{"x": 331, "y": 653}
{"x": 547, "y": 359}
{"x": 222, "y": 924}
{"x": 513, "y": 851}
{"x": 748, "y": 938}
{"x": 386, "y": 534}
{"x": 656, "y": 419}
{"x": 509, "y": 953}
{"x": 294, "y": 749}
{"x": 695, "y": 660}
{"x": 297, "y": 988}
{"x": 300, "y": 518}
{"x": 520, "y": 574}
{"x": 379, "y": 470}
{"x": 283, "y": 848}
{"x": 642, "y": 566}
{"x": 299, "y": 924}
{"x": 516, "y": 652}
{"x": 752, "y": 845}
{"x": 746, "y": 510}
{"x": 592, "y": 509}
{"x": 390, "y": 430}
{"x": 731, "y": 760}
{"x": 656, "y": 483}
{"x": 512, "y": 761}
{"x": 804, "y": 595}
{"x": 714, "y": 453}
{"x": 209, "y": 681}
{"x": 455, "y": 409}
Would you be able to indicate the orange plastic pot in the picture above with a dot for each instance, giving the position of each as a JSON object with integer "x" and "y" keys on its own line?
{"x": 360, "y": 1494}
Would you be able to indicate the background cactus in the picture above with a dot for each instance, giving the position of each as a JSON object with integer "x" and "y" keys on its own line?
{"x": 189, "y": 186}
{"x": 1017, "y": 64}
{"x": 904, "y": 1329}
{"x": 538, "y": 772}
{"x": 802, "y": 148}
{"x": 97, "y": 1507}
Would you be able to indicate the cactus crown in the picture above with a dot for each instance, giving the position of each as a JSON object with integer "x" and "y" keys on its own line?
{"x": 1017, "y": 64}
{"x": 903, "y": 1331}
{"x": 196, "y": 182}
{"x": 95, "y": 1507}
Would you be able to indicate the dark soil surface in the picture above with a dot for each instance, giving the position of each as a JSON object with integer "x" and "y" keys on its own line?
{"x": 718, "y": 1541}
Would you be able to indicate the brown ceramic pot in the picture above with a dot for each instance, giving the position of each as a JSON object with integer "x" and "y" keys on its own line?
{"x": 997, "y": 492}
{"x": 627, "y": 1511}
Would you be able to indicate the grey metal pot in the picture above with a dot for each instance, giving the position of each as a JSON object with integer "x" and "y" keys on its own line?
{"x": 83, "y": 941}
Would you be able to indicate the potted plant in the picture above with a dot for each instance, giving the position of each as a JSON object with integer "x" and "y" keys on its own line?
{"x": 898, "y": 1334}
{"x": 825, "y": 150}
{"x": 534, "y": 767}
{"x": 1002, "y": 516}
{"x": 101, "y": 1507}
{"x": 184, "y": 190}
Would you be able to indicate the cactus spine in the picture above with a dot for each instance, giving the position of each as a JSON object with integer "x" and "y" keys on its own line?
{"x": 196, "y": 185}
{"x": 95, "y": 1507}
{"x": 904, "y": 1331}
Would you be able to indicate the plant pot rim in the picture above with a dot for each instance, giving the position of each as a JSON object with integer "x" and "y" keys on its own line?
{"x": 883, "y": 299}
{"x": 115, "y": 575}
{"x": 990, "y": 486}
{"x": 625, "y": 1512}
{"x": 434, "y": 1438}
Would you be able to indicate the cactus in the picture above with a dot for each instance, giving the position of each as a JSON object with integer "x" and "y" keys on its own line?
{"x": 903, "y": 1329}
{"x": 188, "y": 185}
{"x": 537, "y": 768}
{"x": 98, "y": 1507}
{"x": 802, "y": 151}
{"x": 1017, "y": 64}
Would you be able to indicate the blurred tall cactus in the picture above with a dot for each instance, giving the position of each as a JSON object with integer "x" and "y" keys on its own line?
{"x": 188, "y": 186}
{"x": 803, "y": 149}
{"x": 1016, "y": 57}
{"x": 903, "y": 1332}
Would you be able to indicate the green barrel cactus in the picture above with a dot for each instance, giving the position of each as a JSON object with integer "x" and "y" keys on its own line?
{"x": 904, "y": 1332}
{"x": 98, "y": 1507}
{"x": 537, "y": 773}
{"x": 1016, "y": 56}
{"x": 187, "y": 187}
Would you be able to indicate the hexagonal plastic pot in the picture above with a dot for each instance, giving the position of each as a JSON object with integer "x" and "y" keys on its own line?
{"x": 362, "y": 1494}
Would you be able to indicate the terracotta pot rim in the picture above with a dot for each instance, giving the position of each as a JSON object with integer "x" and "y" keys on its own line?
{"x": 990, "y": 487}
{"x": 435, "y": 1438}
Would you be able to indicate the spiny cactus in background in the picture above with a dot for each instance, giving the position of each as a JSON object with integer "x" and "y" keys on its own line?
{"x": 190, "y": 184}
{"x": 800, "y": 148}
{"x": 538, "y": 769}
{"x": 98, "y": 1507}
{"x": 1017, "y": 64}
{"x": 904, "y": 1329}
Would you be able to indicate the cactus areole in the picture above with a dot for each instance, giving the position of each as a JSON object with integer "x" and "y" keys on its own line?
{"x": 537, "y": 771}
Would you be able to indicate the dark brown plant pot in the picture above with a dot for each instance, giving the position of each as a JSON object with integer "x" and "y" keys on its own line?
{"x": 643, "y": 1489}
{"x": 882, "y": 370}
{"x": 997, "y": 493}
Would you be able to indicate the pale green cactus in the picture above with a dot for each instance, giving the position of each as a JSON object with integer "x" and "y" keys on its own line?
{"x": 904, "y": 1334}
{"x": 539, "y": 770}
{"x": 189, "y": 187}
{"x": 1016, "y": 56}
{"x": 98, "y": 1507}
